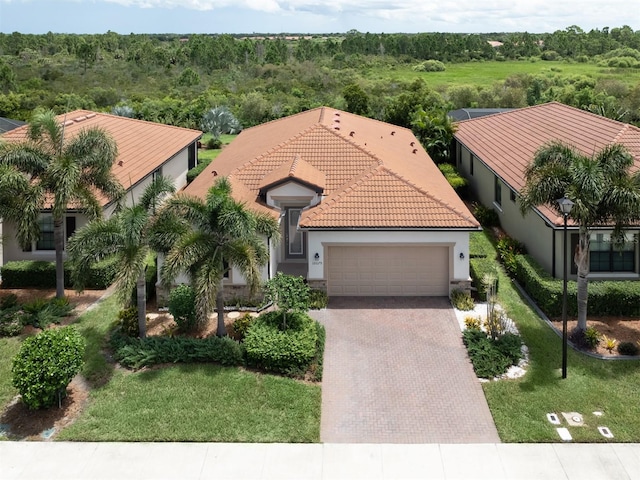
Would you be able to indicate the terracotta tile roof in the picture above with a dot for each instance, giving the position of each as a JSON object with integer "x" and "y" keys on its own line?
{"x": 142, "y": 146}
{"x": 506, "y": 142}
{"x": 297, "y": 169}
{"x": 366, "y": 165}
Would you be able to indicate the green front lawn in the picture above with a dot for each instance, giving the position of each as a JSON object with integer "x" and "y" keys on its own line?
{"x": 203, "y": 403}
{"x": 520, "y": 407}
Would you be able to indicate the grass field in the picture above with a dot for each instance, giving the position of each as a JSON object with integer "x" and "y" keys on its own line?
{"x": 519, "y": 407}
{"x": 486, "y": 74}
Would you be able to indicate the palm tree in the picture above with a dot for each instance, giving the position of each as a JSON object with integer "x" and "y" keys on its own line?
{"x": 603, "y": 190}
{"x": 205, "y": 238}
{"x": 124, "y": 237}
{"x": 62, "y": 172}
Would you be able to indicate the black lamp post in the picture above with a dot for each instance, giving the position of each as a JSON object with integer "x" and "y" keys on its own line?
{"x": 565, "y": 207}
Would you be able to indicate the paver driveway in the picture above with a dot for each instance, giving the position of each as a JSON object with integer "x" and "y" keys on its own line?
{"x": 396, "y": 371}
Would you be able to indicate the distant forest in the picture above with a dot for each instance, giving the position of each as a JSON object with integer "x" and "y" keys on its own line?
{"x": 175, "y": 79}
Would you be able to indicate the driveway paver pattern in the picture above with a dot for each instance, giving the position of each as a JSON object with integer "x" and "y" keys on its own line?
{"x": 396, "y": 371}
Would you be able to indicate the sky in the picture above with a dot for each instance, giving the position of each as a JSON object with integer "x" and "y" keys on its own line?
{"x": 312, "y": 16}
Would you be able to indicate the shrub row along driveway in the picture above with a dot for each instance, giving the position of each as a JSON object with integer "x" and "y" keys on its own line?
{"x": 396, "y": 371}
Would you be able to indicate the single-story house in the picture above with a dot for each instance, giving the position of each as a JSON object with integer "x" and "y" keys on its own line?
{"x": 362, "y": 207}
{"x": 493, "y": 152}
{"x": 145, "y": 149}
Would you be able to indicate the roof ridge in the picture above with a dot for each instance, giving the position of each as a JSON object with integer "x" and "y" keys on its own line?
{"x": 275, "y": 148}
{"x": 424, "y": 192}
{"x": 622, "y": 131}
{"x": 353, "y": 143}
{"x": 324, "y": 205}
{"x": 83, "y": 112}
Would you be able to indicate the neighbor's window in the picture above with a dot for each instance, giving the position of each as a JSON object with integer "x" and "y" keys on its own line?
{"x": 604, "y": 256}
{"x": 497, "y": 192}
{"x": 45, "y": 242}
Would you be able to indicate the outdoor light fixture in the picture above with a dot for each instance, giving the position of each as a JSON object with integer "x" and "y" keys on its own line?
{"x": 565, "y": 207}
{"x": 316, "y": 256}
{"x": 461, "y": 255}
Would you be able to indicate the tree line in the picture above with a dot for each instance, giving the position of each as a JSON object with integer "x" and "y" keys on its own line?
{"x": 216, "y": 51}
{"x": 176, "y": 79}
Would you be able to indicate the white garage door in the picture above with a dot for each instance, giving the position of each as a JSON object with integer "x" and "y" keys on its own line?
{"x": 388, "y": 271}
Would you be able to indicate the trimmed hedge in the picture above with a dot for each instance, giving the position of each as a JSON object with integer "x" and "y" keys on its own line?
{"x": 143, "y": 352}
{"x": 611, "y": 297}
{"x": 290, "y": 351}
{"x": 41, "y": 274}
{"x": 478, "y": 268}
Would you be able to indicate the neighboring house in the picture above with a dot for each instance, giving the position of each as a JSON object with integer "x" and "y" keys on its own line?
{"x": 362, "y": 207}
{"x": 7, "y": 124}
{"x": 145, "y": 149}
{"x": 493, "y": 152}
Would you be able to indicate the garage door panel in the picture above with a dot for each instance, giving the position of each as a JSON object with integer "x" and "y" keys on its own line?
{"x": 379, "y": 270}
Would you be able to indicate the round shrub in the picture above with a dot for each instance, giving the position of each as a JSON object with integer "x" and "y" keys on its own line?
{"x": 241, "y": 326}
{"x": 45, "y": 365}
{"x": 289, "y": 350}
{"x": 182, "y": 305}
{"x": 628, "y": 348}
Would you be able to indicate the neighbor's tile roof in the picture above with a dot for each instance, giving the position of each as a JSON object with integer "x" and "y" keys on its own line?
{"x": 142, "y": 146}
{"x": 507, "y": 142}
{"x": 375, "y": 175}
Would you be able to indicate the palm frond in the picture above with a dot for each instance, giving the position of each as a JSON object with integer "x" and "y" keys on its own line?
{"x": 156, "y": 191}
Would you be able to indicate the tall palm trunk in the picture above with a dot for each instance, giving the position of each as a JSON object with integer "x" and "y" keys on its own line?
{"x": 221, "y": 331}
{"x": 582, "y": 262}
{"x": 58, "y": 241}
{"x": 141, "y": 300}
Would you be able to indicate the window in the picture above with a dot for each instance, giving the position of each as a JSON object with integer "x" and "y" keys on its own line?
{"x": 604, "y": 256}
{"x": 471, "y": 166}
{"x": 45, "y": 242}
{"x": 497, "y": 192}
{"x": 157, "y": 173}
{"x": 70, "y": 226}
{"x": 512, "y": 196}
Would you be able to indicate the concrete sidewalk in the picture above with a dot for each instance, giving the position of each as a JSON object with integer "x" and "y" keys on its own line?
{"x": 184, "y": 461}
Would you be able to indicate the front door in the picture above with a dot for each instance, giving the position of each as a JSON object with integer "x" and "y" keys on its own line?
{"x": 294, "y": 238}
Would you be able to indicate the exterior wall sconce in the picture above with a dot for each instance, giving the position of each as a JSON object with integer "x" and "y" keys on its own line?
{"x": 461, "y": 255}
{"x": 316, "y": 256}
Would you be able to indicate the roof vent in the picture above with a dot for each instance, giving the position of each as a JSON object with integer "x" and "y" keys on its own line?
{"x": 336, "y": 120}
{"x": 412, "y": 143}
{"x": 352, "y": 133}
{"x": 68, "y": 122}
{"x": 120, "y": 163}
{"x": 336, "y": 127}
{"x": 215, "y": 174}
{"x": 91, "y": 115}
{"x": 80, "y": 119}
{"x": 337, "y": 114}
{"x": 393, "y": 132}
{"x": 415, "y": 150}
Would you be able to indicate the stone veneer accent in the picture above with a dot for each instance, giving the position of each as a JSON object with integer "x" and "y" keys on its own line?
{"x": 230, "y": 292}
{"x": 464, "y": 285}
{"x": 318, "y": 285}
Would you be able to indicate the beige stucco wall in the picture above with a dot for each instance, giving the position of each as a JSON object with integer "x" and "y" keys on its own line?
{"x": 530, "y": 229}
